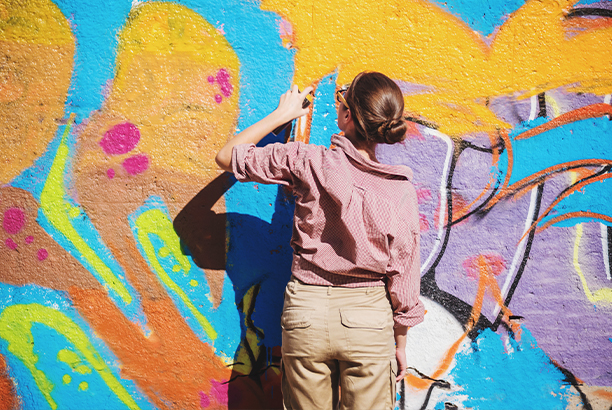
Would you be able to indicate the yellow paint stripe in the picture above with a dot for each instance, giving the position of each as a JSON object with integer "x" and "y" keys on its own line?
{"x": 57, "y": 211}
{"x": 155, "y": 222}
{"x": 16, "y": 328}
{"x": 600, "y": 295}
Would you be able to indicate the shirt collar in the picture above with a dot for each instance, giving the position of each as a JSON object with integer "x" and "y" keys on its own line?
{"x": 349, "y": 149}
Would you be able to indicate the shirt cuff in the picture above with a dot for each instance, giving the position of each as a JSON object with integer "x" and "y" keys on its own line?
{"x": 239, "y": 153}
{"x": 410, "y": 318}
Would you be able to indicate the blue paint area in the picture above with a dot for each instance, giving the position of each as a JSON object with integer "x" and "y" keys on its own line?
{"x": 491, "y": 378}
{"x": 324, "y": 117}
{"x": 224, "y": 319}
{"x": 582, "y": 140}
{"x": 95, "y": 26}
{"x": 259, "y": 252}
{"x": 593, "y": 198}
{"x": 481, "y": 15}
{"x": 47, "y": 343}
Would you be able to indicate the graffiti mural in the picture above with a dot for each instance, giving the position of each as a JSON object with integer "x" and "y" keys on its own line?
{"x": 136, "y": 275}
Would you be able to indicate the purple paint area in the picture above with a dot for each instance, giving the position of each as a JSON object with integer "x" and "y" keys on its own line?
{"x": 10, "y": 243}
{"x": 551, "y": 297}
{"x": 136, "y": 165}
{"x": 110, "y": 173}
{"x": 120, "y": 139}
{"x": 426, "y": 157}
{"x": 218, "y": 98}
{"x": 29, "y": 240}
{"x": 42, "y": 254}
{"x": 223, "y": 78}
{"x": 14, "y": 220}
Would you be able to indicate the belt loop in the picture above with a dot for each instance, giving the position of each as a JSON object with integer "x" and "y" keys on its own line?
{"x": 368, "y": 290}
{"x": 329, "y": 288}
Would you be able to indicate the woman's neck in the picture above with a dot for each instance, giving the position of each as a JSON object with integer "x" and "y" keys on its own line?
{"x": 365, "y": 148}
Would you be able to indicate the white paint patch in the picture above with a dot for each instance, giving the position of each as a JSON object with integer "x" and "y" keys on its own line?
{"x": 604, "y": 247}
{"x": 443, "y": 207}
{"x": 426, "y": 346}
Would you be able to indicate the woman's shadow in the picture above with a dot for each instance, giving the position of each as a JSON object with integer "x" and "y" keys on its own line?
{"x": 257, "y": 259}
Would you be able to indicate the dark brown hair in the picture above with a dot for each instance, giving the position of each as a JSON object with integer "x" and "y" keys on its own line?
{"x": 377, "y": 107}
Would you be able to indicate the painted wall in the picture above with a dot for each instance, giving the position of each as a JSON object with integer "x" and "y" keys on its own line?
{"x": 133, "y": 274}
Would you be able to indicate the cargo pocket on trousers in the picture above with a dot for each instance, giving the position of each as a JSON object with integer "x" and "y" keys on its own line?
{"x": 367, "y": 330}
{"x": 296, "y": 325}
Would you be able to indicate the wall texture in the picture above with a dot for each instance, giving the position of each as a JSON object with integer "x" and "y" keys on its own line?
{"x": 135, "y": 275}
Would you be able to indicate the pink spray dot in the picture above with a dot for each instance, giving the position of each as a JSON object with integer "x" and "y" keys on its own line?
{"x": 14, "y": 220}
{"x": 10, "y": 243}
{"x": 218, "y": 98}
{"x": 42, "y": 254}
{"x": 110, "y": 173}
{"x": 136, "y": 165}
{"x": 204, "y": 400}
{"x": 29, "y": 240}
{"x": 120, "y": 139}
{"x": 223, "y": 78}
{"x": 211, "y": 79}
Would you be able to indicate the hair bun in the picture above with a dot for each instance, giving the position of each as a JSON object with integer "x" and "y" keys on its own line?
{"x": 392, "y": 130}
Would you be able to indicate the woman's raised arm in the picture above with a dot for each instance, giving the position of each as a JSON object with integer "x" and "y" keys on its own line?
{"x": 289, "y": 108}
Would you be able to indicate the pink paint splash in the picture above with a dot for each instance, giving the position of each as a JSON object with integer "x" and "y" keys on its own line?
{"x": 423, "y": 223}
{"x": 136, "y": 165}
{"x": 120, "y": 139}
{"x": 219, "y": 392}
{"x": 14, "y": 220}
{"x": 110, "y": 173}
{"x": 204, "y": 400}
{"x": 211, "y": 79}
{"x": 42, "y": 254}
{"x": 10, "y": 243}
{"x": 494, "y": 262}
{"x": 423, "y": 195}
{"x": 29, "y": 240}
{"x": 285, "y": 28}
{"x": 223, "y": 78}
{"x": 218, "y": 98}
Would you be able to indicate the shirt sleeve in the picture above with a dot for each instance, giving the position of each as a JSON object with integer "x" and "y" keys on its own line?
{"x": 404, "y": 273}
{"x": 271, "y": 164}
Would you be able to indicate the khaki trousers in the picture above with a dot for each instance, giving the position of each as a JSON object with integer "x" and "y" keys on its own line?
{"x": 338, "y": 348}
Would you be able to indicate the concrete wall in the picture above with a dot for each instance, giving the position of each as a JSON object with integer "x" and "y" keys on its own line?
{"x": 133, "y": 274}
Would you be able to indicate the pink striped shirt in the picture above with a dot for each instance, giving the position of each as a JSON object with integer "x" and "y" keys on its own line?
{"x": 356, "y": 221}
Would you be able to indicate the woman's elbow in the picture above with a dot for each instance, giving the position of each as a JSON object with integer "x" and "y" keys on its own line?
{"x": 224, "y": 161}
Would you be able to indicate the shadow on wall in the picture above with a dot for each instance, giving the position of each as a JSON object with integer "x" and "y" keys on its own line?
{"x": 259, "y": 273}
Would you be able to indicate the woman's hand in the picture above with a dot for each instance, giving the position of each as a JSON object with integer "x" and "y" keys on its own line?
{"x": 400, "y": 356}
{"x": 399, "y": 333}
{"x": 291, "y": 104}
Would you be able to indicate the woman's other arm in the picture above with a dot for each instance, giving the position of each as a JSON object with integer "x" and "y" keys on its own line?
{"x": 289, "y": 108}
{"x": 400, "y": 351}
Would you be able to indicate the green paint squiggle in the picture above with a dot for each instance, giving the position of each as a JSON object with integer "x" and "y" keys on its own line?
{"x": 16, "y": 328}
{"x": 156, "y": 222}
{"x": 56, "y": 209}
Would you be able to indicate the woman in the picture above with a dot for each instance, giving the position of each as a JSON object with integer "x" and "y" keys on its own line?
{"x": 355, "y": 283}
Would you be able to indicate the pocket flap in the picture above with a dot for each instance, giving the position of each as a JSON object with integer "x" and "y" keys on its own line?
{"x": 366, "y": 318}
{"x": 296, "y": 318}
